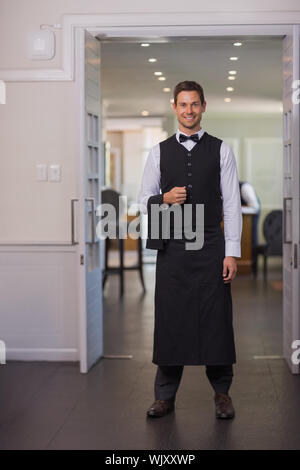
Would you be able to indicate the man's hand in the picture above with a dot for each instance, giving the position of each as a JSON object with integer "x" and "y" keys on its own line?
{"x": 177, "y": 195}
{"x": 229, "y": 269}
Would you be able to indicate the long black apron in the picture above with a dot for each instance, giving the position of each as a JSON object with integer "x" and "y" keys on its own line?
{"x": 193, "y": 305}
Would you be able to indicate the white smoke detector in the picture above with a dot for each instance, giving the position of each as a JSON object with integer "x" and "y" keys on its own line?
{"x": 41, "y": 45}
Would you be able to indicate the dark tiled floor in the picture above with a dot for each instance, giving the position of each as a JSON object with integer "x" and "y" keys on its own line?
{"x": 53, "y": 406}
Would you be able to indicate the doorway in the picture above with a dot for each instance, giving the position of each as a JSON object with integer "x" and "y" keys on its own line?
{"x": 291, "y": 276}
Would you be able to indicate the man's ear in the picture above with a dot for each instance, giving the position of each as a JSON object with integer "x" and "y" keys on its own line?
{"x": 204, "y": 106}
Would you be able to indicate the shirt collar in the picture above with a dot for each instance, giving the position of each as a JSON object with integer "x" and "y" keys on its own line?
{"x": 200, "y": 133}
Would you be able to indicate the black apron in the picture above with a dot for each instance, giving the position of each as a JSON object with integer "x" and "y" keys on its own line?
{"x": 193, "y": 305}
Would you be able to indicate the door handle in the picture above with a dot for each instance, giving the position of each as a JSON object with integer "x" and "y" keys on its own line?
{"x": 285, "y": 219}
{"x": 92, "y": 200}
{"x": 295, "y": 256}
{"x": 73, "y": 241}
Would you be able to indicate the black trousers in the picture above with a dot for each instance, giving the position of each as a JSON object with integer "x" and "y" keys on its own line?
{"x": 168, "y": 378}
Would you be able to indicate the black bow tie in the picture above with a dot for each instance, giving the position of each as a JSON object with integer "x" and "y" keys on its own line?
{"x": 183, "y": 138}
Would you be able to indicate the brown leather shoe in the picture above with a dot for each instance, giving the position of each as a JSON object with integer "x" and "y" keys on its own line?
{"x": 224, "y": 407}
{"x": 160, "y": 408}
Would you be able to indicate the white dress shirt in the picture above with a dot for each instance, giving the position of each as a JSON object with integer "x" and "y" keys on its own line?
{"x": 229, "y": 186}
{"x": 249, "y": 196}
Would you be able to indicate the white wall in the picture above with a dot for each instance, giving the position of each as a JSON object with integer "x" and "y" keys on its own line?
{"x": 132, "y": 161}
{"x": 38, "y": 125}
{"x": 257, "y": 145}
{"x": 240, "y": 127}
{"x": 39, "y": 122}
{"x": 135, "y": 145}
{"x": 19, "y": 16}
{"x": 39, "y": 306}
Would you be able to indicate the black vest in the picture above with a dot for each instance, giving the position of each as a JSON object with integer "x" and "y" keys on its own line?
{"x": 199, "y": 171}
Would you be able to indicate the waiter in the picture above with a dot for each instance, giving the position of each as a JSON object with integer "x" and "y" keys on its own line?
{"x": 193, "y": 305}
{"x": 251, "y": 205}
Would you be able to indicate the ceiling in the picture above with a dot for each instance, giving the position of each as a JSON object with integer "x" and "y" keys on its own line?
{"x": 129, "y": 85}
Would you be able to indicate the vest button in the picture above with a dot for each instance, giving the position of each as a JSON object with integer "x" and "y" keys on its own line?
{"x": 189, "y": 164}
{"x": 189, "y": 174}
{"x": 189, "y": 154}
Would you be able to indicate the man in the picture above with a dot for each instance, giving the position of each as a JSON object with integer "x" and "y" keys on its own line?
{"x": 193, "y": 305}
{"x": 251, "y": 205}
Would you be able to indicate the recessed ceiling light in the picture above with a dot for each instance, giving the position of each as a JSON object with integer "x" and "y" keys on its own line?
{"x": 145, "y": 44}
{"x": 161, "y": 78}
{"x": 229, "y": 88}
{"x": 227, "y": 100}
{"x": 233, "y": 58}
{"x": 237, "y": 43}
{"x": 167, "y": 89}
{"x": 152, "y": 59}
{"x": 232, "y": 72}
{"x": 145, "y": 113}
{"x": 231, "y": 77}
{"x": 157, "y": 73}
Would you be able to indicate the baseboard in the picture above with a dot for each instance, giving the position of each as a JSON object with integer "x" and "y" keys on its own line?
{"x": 71, "y": 355}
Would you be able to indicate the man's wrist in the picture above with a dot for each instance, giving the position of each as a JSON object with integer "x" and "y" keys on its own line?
{"x": 165, "y": 198}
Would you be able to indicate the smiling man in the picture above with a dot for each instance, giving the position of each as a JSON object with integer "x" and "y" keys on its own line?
{"x": 193, "y": 305}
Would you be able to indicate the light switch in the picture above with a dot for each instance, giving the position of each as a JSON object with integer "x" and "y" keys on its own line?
{"x": 55, "y": 173}
{"x": 41, "y": 172}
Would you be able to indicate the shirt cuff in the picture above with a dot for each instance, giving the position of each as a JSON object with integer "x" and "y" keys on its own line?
{"x": 232, "y": 248}
{"x": 157, "y": 199}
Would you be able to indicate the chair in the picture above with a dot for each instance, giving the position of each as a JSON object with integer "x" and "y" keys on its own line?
{"x": 272, "y": 230}
{"x": 112, "y": 197}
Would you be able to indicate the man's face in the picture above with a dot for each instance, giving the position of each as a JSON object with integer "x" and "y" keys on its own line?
{"x": 189, "y": 109}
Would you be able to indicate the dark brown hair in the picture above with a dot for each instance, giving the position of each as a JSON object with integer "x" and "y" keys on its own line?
{"x": 188, "y": 85}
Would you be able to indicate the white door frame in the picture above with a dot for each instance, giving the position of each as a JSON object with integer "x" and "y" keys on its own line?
{"x": 147, "y": 25}
{"x": 156, "y": 31}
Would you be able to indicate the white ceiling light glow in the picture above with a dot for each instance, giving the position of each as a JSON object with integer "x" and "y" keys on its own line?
{"x": 125, "y": 62}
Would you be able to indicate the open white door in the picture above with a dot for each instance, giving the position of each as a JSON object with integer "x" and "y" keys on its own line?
{"x": 291, "y": 307}
{"x": 90, "y": 276}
